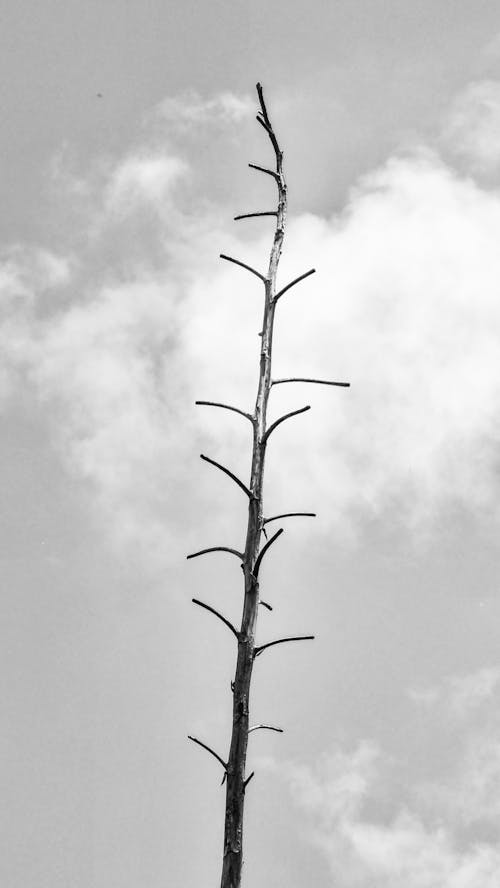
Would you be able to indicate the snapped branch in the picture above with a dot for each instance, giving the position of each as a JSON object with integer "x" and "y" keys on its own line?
{"x": 264, "y": 550}
{"x": 243, "y": 265}
{"x": 254, "y": 215}
{"x": 228, "y": 473}
{"x": 304, "y": 379}
{"x": 217, "y": 614}
{"x": 216, "y": 549}
{"x": 226, "y": 407}
{"x": 247, "y": 781}
{"x": 292, "y": 284}
{"x": 255, "y": 166}
{"x": 282, "y": 419}
{"x": 258, "y": 650}
{"x": 265, "y": 728}
{"x": 208, "y": 749}
{"x": 266, "y": 605}
{"x": 290, "y": 515}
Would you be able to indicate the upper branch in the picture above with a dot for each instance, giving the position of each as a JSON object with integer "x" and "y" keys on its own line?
{"x": 226, "y": 407}
{"x": 217, "y": 614}
{"x": 318, "y": 381}
{"x": 208, "y": 749}
{"x": 262, "y": 647}
{"x": 264, "y": 550}
{"x": 227, "y": 472}
{"x": 292, "y": 284}
{"x": 243, "y": 265}
{"x": 282, "y": 419}
{"x": 256, "y": 166}
{"x": 254, "y": 215}
{"x": 290, "y": 515}
{"x": 265, "y": 727}
{"x": 216, "y": 549}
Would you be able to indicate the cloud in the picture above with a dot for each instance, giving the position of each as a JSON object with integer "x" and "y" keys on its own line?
{"x": 143, "y": 178}
{"x": 369, "y": 843}
{"x": 472, "y": 127}
{"x": 404, "y": 305}
{"x": 190, "y": 110}
{"x": 461, "y": 695}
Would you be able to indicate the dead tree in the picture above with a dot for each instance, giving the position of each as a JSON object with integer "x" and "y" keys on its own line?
{"x": 251, "y": 557}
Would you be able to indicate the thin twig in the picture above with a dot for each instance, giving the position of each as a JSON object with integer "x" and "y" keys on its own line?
{"x": 255, "y": 166}
{"x": 264, "y": 550}
{"x": 292, "y": 284}
{"x": 318, "y": 381}
{"x": 216, "y": 549}
{"x": 290, "y": 515}
{"x": 265, "y": 727}
{"x": 247, "y": 781}
{"x": 254, "y": 215}
{"x": 271, "y": 135}
{"x": 262, "y": 103}
{"x": 217, "y": 614}
{"x": 226, "y": 407}
{"x": 266, "y": 605}
{"x": 243, "y": 265}
{"x": 227, "y": 472}
{"x": 258, "y": 650}
{"x": 282, "y": 419}
{"x": 208, "y": 749}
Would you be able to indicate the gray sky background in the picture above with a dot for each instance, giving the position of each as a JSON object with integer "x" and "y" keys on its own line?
{"x": 126, "y": 130}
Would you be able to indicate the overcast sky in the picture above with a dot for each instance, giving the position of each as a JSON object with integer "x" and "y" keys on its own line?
{"x": 126, "y": 132}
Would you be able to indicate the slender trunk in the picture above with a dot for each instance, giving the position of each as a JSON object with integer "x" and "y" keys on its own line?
{"x": 235, "y": 791}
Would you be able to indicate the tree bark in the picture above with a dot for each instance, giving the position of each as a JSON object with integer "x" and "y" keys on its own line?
{"x": 236, "y": 764}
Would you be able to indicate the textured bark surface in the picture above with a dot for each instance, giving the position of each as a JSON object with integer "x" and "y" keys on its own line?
{"x": 235, "y": 790}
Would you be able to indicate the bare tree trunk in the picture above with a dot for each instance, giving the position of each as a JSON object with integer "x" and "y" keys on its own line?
{"x": 251, "y": 558}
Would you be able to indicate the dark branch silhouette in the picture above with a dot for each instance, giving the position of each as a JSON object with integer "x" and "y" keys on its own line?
{"x": 292, "y": 284}
{"x": 217, "y": 614}
{"x": 243, "y": 265}
{"x": 254, "y": 215}
{"x": 290, "y": 515}
{"x": 282, "y": 419}
{"x": 208, "y": 749}
{"x": 258, "y": 650}
{"x": 255, "y": 166}
{"x": 266, "y": 605}
{"x": 226, "y": 407}
{"x": 247, "y": 781}
{"x": 216, "y": 549}
{"x": 228, "y": 473}
{"x": 304, "y": 379}
{"x": 264, "y": 550}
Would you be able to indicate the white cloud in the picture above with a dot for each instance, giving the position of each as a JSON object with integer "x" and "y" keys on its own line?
{"x": 404, "y": 305}
{"x": 461, "y": 695}
{"x": 190, "y": 110}
{"x": 472, "y": 129}
{"x": 143, "y": 178}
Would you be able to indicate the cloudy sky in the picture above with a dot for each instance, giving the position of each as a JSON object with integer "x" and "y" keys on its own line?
{"x": 126, "y": 132}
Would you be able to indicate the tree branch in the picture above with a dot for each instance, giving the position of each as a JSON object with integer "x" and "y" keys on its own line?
{"x": 228, "y": 473}
{"x": 247, "y": 781}
{"x": 292, "y": 284}
{"x": 255, "y": 166}
{"x": 266, "y": 605}
{"x": 271, "y": 135}
{"x": 258, "y": 650}
{"x": 216, "y": 549}
{"x": 254, "y": 215}
{"x": 265, "y": 727}
{"x": 282, "y": 419}
{"x": 290, "y": 515}
{"x": 217, "y": 614}
{"x": 226, "y": 407}
{"x": 243, "y": 265}
{"x": 318, "y": 381}
{"x": 208, "y": 749}
{"x": 264, "y": 550}
{"x": 262, "y": 103}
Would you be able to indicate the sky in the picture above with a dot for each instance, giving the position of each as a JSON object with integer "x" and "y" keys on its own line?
{"x": 126, "y": 133}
